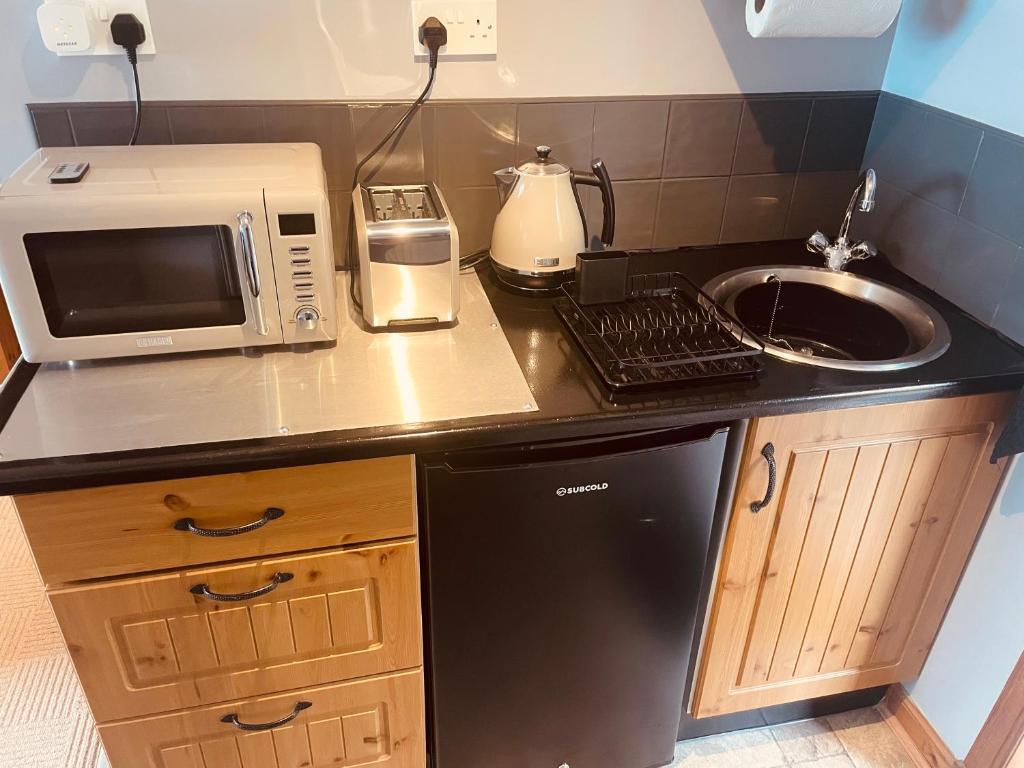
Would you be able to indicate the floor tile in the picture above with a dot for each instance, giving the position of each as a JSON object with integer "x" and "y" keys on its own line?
{"x": 836, "y": 761}
{"x": 745, "y": 749}
{"x": 869, "y": 742}
{"x": 807, "y": 740}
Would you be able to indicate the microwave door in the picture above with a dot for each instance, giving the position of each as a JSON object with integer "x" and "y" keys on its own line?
{"x": 179, "y": 273}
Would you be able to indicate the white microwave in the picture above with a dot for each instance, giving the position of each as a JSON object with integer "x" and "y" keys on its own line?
{"x": 168, "y": 249}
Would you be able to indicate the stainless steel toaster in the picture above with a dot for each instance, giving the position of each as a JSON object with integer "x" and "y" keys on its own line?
{"x": 408, "y": 255}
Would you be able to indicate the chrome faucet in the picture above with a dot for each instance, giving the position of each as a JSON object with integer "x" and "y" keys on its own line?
{"x": 840, "y": 252}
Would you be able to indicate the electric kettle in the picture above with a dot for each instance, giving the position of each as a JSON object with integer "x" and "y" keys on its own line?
{"x": 540, "y": 225}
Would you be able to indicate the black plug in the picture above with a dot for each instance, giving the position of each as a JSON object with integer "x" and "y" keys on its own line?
{"x": 129, "y": 33}
{"x": 433, "y": 34}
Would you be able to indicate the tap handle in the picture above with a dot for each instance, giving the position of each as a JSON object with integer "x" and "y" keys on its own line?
{"x": 862, "y": 250}
{"x": 818, "y": 242}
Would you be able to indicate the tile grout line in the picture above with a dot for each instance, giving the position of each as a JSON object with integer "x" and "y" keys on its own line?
{"x": 800, "y": 169}
{"x": 661, "y": 175}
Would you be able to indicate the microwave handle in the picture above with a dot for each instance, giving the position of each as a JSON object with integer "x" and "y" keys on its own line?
{"x": 252, "y": 269}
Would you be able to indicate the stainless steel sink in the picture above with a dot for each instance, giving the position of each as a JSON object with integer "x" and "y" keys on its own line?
{"x": 832, "y": 319}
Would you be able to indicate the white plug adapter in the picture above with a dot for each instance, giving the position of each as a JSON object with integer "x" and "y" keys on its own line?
{"x": 65, "y": 26}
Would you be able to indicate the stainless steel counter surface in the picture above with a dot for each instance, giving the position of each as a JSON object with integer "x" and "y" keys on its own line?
{"x": 367, "y": 380}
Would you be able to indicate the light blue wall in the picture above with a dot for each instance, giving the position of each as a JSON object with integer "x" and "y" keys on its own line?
{"x": 983, "y": 634}
{"x": 964, "y": 56}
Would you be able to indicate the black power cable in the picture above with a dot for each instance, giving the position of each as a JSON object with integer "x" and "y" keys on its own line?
{"x": 128, "y": 32}
{"x": 433, "y": 34}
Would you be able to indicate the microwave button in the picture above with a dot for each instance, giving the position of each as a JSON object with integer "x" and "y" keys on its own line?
{"x": 302, "y": 273}
{"x": 307, "y": 318}
{"x": 298, "y": 250}
{"x": 300, "y": 262}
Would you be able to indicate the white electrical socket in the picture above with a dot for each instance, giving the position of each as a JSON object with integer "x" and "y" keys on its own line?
{"x": 472, "y": 27}
{"x": 82, "y": 27}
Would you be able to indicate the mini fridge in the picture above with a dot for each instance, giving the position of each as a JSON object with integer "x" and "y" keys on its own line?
{"x": 563, "y": 582}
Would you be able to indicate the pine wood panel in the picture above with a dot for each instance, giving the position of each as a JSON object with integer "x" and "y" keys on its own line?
{"x": 1001, "y": 740}
{"x": 125, "y": 529}
{"x": 376, "y": 720}
{"x": 146, "y": 645}
{"x": 841, "y": 582}
{"x": 911, "y": 727}
{"x": 10, "y": 351}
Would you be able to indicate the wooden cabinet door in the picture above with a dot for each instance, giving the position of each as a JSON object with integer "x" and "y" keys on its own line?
{"x": 841, "y": 582}
{"x": 377, "y": 720}
{"x": 150, "y": 644}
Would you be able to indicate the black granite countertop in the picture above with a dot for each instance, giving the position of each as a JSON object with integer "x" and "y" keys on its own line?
{"x": 571, "y": 402}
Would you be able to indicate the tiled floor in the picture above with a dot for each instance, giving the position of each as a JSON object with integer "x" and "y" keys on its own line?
{"x": 45, "y": 723}
{"x": 857, "y": 739}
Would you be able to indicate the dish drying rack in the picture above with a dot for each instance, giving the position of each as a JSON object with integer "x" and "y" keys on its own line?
{"x": 667, "y": 332}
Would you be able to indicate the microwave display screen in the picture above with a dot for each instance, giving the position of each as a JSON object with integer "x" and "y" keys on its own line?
{"x": 112, "y": 281}
{"x": 296, "y": 224}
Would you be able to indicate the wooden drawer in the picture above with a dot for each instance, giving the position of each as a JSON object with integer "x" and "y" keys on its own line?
{"x": 149, "y": 644}
{"x": 124, "y": 529}
{"x": 378, "y": 721}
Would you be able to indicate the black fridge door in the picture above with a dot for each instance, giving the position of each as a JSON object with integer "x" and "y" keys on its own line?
{"x": 562, "y": 590}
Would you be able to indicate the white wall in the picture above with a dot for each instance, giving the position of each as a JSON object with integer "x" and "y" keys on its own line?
{"x": 964, "y": 56}
{"x": 16, "y": 137}
{"x": 983, "y": 634}
{"x": 360, "y": 49}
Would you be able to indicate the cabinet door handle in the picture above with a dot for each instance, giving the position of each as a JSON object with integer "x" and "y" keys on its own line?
{"x": 203, "y": 590}
{"x": 232, "y": 719}
{"x": 189, "y": 525}
{"x": 769, "y": 455}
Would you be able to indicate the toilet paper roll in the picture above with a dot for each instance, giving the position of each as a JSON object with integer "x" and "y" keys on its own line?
{"x": 820, "y": 18}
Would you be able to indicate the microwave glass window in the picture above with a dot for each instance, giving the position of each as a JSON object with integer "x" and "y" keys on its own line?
{"x": 136, "y": 280}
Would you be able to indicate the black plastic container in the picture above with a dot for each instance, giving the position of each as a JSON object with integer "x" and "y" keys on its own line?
{"x": 601, "y": 277}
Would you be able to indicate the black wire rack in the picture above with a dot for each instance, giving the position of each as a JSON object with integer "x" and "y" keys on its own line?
{"x": 667, "y": 332}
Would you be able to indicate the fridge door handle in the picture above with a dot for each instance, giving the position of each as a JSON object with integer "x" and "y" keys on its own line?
{"x": 572, "y": 451}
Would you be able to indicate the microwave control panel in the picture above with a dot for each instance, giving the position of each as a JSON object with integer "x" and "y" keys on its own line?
{"x": 301, "y": 242}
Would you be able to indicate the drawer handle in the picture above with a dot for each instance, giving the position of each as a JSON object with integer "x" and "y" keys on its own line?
{"x": 188, "y": 524}
{"x": 203, "y": 590}
{"x": 232, "y": 719}
{"x": 769, "y": 454}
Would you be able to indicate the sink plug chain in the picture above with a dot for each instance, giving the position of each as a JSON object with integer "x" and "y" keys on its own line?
{"x": 775, "y": 310}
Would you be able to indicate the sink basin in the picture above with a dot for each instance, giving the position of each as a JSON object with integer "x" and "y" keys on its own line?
{"x": 832, "y": 319}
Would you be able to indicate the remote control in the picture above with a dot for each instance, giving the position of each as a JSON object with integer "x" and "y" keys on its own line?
{"x": 68, "y": 173}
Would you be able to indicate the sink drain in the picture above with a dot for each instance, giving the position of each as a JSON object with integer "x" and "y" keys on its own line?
{"x": 812, "y": 347}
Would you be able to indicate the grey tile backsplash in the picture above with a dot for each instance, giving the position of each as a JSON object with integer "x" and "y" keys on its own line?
{"x": 687, "y": 171}
{"x": 950, "y": 208}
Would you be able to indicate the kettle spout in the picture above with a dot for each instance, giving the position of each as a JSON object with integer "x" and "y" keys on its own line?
{"x": 506, "y": 181}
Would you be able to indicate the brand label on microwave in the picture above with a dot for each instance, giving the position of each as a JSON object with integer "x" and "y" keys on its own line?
{"x": 154, "y": 341}
{"x": 582, "y": 489}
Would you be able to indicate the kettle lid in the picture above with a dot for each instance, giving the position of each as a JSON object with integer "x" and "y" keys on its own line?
{"x": 543, "y": 164}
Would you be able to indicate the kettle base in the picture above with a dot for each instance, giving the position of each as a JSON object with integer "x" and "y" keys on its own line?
{"x": 534, "y": 284}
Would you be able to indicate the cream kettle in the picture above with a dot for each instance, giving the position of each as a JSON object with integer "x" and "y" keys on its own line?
{"x": 540, "y": 225}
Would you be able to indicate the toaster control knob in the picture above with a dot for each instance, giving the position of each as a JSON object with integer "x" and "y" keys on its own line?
{"x": 307, "y": 318}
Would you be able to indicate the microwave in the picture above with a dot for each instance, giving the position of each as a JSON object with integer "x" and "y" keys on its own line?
{"x": 168, "y": 249}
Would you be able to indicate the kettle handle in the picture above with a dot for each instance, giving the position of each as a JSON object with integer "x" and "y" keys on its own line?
{"x": 600, "y": 179}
